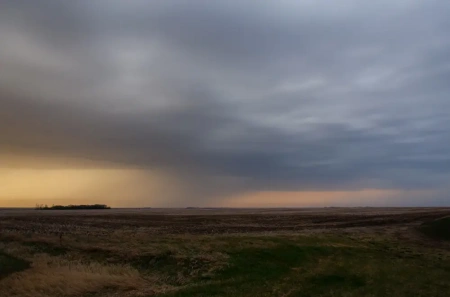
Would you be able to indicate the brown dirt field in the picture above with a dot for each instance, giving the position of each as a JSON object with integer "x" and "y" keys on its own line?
{"x": 209, "y": 221}
{"x": 147, "y": 252}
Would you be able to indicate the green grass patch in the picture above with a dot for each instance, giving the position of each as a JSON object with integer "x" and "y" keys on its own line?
{"x": 45, "y": 247}
{"x": 437, "y": 229}
{"x": 297, "y": 268}
{"x": 248, "y": 270}
{"x": 10, "y": 264}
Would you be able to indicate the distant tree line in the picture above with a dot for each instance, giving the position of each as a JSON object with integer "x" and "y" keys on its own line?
{"x": 68, "y": 207}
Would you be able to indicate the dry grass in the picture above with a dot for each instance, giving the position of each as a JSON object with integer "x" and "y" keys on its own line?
{"x": 199, "y": 255}
{"x": 56, "y": 276}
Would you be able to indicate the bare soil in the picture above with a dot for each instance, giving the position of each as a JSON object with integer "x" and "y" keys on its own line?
{"x": 211, "y": 221}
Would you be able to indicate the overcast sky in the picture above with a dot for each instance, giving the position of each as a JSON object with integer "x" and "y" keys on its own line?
{"x": 218, "y": 98}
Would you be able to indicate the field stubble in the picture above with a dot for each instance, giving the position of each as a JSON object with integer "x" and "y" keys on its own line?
{"x": 321, "y": 252}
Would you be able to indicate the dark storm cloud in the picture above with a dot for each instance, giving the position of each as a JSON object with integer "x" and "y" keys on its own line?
{"x": 283, "y": 94}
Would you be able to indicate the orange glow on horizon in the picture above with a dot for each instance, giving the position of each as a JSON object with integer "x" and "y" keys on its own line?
{"x": 364, "y": 197}
{"x": 128, "y": 187}
{"x": 26, "y": 187}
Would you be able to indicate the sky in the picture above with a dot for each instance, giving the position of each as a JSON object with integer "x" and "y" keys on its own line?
{"x": 225, "y": 103}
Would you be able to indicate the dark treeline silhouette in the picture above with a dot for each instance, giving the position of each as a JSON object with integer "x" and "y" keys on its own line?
{"x": 68, "y": 207}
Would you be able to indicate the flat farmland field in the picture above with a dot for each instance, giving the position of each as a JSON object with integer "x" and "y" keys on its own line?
{"x": 225, "y": 252}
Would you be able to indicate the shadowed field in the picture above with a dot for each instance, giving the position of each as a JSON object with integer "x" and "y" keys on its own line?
{"x": 224, "y": 252}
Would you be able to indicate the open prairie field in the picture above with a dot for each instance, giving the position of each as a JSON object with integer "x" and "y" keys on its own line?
{"x": 225, "y": 252}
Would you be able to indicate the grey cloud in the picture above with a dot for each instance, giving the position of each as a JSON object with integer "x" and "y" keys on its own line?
{"x": 281, "y": 96}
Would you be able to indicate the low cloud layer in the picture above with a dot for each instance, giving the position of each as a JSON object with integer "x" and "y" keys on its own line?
{"x": 233, "y": 96}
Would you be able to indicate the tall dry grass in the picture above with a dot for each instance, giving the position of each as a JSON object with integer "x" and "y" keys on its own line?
{"x": 58, "y": 277}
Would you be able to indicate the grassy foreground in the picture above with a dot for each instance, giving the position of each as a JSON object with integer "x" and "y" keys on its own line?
{"x": 369, "y": 262}
{"x": 297, "y": 267}
{"x": 438, "y": 229}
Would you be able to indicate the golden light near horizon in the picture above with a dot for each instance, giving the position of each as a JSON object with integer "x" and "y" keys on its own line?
{"x": 117, "y": 187}
{"x": 364, "y": 197}
{"x": 134, "y": 188}
{"x": 26, "y": 180}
